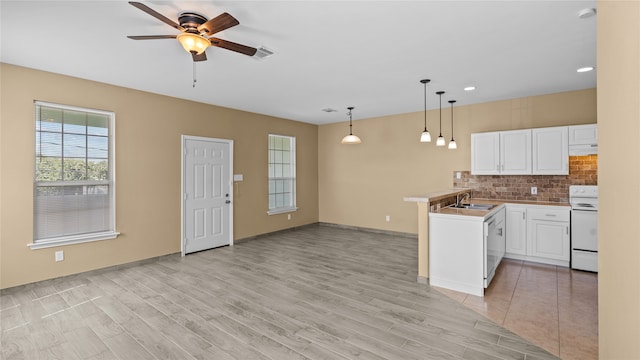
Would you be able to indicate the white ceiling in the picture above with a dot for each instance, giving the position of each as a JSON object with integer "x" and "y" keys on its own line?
{"x": 329, "y": 54}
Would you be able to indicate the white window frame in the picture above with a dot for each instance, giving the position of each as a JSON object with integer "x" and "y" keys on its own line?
{"x": 111, "y": 233}
{"x": 271, "y": 165}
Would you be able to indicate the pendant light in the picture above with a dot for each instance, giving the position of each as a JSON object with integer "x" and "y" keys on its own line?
{"x": 425, "y": 137}
{"x": 440, "y": 141}
{"x": 452, "y": 143}
{"x": 351, "y": 139}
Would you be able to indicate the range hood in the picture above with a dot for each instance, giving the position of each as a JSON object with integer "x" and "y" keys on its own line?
{"x": 583, "y": 149}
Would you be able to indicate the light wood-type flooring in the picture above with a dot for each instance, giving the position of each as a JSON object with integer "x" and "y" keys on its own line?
{"x": 552, "y": 306}
{"x": 319, "y": 292}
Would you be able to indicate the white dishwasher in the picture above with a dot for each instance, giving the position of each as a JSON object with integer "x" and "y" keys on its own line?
{"x": 494, "y": 244}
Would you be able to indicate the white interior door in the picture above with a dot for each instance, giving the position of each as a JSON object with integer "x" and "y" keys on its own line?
{"x": 206, "y": 193}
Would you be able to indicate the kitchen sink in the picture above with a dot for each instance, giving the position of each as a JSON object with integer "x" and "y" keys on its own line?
{"x": 473, "y": 206}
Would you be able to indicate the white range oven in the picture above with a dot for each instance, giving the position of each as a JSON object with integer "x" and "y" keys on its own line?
{"x": 584, "y": 227}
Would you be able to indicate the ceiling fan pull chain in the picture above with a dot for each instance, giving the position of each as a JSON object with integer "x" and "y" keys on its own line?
{"x": 194, "y": 74}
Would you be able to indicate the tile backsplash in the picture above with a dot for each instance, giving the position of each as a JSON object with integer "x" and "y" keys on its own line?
{"x": 583, "y": 170}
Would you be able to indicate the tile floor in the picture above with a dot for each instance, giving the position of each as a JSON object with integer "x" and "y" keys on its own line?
{"x": 554, "y": 307}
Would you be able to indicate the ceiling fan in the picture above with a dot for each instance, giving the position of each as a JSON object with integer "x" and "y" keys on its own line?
{"x": 195, "y": 31}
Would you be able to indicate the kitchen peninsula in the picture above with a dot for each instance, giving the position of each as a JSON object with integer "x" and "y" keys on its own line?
{"x": 460, "y": 248}
{"x": 427, "y": 202}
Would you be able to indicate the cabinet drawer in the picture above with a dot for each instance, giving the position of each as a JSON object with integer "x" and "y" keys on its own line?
{"x": 548, "y": 214}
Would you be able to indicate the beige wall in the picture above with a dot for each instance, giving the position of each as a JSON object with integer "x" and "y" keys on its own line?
{"x": 619, "y": 178}
{"x": 361, "y": 184}
{"x": 148, "y": 130}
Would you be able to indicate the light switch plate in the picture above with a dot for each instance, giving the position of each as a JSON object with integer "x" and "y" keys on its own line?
{"x": 59, "y": 255}
{"x": 238, "y": 177}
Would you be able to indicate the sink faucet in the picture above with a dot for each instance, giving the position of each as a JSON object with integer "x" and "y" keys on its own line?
{"x": 460, "y": 198}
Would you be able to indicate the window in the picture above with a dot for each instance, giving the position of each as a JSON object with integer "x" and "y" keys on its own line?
{"x": 74, "y": 187}
{"x": 282, "y": 174}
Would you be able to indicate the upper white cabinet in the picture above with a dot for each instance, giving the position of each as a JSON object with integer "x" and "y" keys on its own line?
{"x": 515, "y": 152}
{"x": 501, "y": 153}
{"x": 583, "y": 134}
{"x": 550, "y": 151}
{"x": 485, "y": 153}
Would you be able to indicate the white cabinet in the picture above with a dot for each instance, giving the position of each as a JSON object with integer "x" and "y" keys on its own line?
{"x": 538, "y": 233}
{"x": 583, "y": 134}
{"x": 485, "y": 153}
{"x": 549, "y": 234}
{"x": 516, "y": 239}
{"x": 501, "y": 153}
{"x": 515, "y": 152}
{"x": 550, "y": 151}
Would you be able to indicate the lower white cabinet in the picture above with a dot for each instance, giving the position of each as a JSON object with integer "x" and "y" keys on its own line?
{"x": 516, "y": 239}
{"x": 538, "y": 233}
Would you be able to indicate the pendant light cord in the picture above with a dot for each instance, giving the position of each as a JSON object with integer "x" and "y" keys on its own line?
{"x": 451, "y": 102}
{"x": 425, "y": 103}
{"x": 440, "y": 93}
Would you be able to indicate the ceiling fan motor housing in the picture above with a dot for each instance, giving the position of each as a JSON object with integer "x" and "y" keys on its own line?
{"x": 190, "y": 21}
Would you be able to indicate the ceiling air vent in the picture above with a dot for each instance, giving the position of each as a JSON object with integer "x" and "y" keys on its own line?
{"x": 262, "y": 53}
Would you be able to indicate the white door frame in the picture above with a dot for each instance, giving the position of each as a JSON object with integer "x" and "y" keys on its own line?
{"x": 183, "y": 141}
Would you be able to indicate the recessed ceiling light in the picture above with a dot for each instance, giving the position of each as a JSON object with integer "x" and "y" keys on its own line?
{"x": 469, "y": 88}
{"x": 586, "y": 13}
{"x": 329, "y": 110}
{"x": 585, "y": 69}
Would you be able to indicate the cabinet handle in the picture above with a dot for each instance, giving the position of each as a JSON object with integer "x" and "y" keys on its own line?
{"x": 550, "y": 215}
{"x": 567, "y": 228}
{"x": 523, "y": 215}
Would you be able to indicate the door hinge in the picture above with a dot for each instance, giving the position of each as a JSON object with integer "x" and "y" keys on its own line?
{"x": 185, "y": 196}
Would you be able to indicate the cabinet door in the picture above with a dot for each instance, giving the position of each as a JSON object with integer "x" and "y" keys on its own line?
{"x": 583, "y": 134}
{"x": 516, "y": 241}
{"x": 549, "y": 239}
{"x": 485, "y": 153}
{"x": 515, "y": 152}
{"x": 551, "y": 151}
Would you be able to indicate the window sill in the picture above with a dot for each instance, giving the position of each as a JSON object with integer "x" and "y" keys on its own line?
{"x": 282, "y": 211}
{"x": 70, "y": 240}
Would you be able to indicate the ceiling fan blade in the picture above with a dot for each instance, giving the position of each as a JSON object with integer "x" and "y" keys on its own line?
{"x": 156, "y": 15}
{"x": 242, "y": 49}
{"x": 217, "y": 24}
{"x": 151, "y": 37}
{"x": 201, "y": 57}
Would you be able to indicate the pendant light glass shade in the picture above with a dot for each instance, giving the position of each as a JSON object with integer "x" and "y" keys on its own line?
{"x": 425, "y": 137}
{"x": 452, "y": 143}
{"x": 351, "y": 139}
{"x": 440, "y": 141}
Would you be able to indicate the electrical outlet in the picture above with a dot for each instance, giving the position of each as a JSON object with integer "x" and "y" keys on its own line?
{"x": 288, "y": 216}
{"x": 534, "y": 190}
{"x": 59, "y": 255}
{"x": 388, "y": 218}
{"x": 458, "y": 175}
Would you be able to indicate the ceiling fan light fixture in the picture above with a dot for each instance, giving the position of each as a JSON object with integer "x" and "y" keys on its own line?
{"x": 193, "y": 43}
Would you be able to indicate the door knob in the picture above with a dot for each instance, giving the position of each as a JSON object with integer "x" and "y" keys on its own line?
{"x": 228, "y": 202}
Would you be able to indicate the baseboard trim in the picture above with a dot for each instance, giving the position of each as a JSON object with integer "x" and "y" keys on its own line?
{"x": 371, "y": 230}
